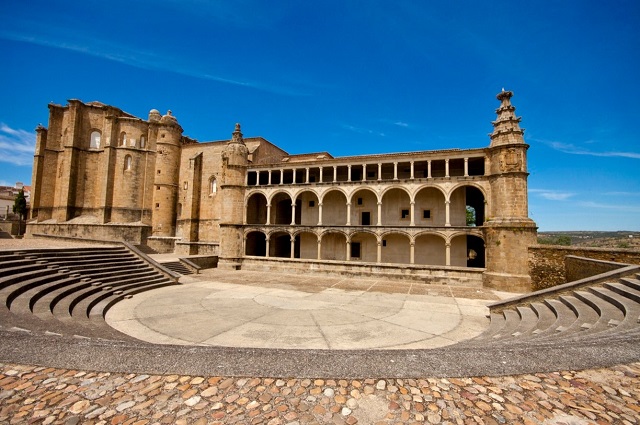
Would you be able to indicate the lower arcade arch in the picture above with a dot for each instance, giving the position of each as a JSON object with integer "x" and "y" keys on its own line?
{"x": 430, "y": 250}
{"x": 467, "y": 251}
{"x": 280, "y": 245}
{"x": 255, "y": 244}
{"x": 395, "y": 248}
{"x": 364, "y": 247}
{"x": 334, "y": 246}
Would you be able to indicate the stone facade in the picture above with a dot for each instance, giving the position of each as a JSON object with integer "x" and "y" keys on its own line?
{"x": 97, "y": 168}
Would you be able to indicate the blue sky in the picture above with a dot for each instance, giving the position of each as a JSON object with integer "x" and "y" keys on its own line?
{"x": 352, "y": 77}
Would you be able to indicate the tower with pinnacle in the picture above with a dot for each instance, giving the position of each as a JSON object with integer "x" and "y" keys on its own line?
{"x": 232, "y": 187}
{"x": 508, "y": 229}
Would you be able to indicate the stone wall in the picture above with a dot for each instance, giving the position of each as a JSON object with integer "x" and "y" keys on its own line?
{"x": 547, "y": 262}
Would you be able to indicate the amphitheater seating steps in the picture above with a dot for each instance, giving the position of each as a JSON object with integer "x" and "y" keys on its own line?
{"x": 69, "y": 291}
{"x": 598, "y": 312}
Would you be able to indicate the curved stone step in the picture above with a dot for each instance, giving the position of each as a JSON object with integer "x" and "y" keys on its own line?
{"x": 88, "y": 259}
{"x": 630, "y": 307}
{"x": 139, "y": 274}
{"x": 100, "y": 309}
{"x": 528, "y": 320}
{"x": 23, "y": 304}
{"x": 18, "y": 274}
{"x": 10, "y": 293}
{"x": 565, "y": 317}
{"x": 83, "y": 307}
{"x": 607, "y": 311}
{"x": 496, "y": 323}
{"x": 631, "y": 282}
{"x": 546, "y": 317}
{"x": 586, "y": 318}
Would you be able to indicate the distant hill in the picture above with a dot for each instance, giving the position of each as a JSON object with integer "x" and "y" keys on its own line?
{"x": 619, "y": 239}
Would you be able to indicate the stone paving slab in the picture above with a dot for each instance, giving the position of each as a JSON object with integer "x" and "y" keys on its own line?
{"x": 44, "y": 395}
{"x": 249, "y": 309}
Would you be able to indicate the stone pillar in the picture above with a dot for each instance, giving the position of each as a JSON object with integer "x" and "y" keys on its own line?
{"x": 348, "y": 250}
{"x": 349, "y": 172}
{"x": 258, "y": 178}
{"x": 412, "y": 213}
{"x": 379, "y": 171}
{"x": 319, "y": 248}
{"x": 446, "y": 168}
{"x": 321, "y": 176}
{"x": 447, "y": 254}
{"x": 379, "y": 214}
{"x": 508, "y": 231}
{"x": 293, "y": 247}
{"x": 447, "y": 213}
{"x": 269, "y": 182}
{"x": 319, "y": 213}
{"x": 293, "y": 213}
{"x": 466, "y": 167}
{"x": 348, "y": 214}
{"x": 395, "y": 171}
{"x": 429, "y": 169}
{"x": 267, "y": 243}
{"x": 379, "y": 253}
{"x": 294, "y": 176}
{"x": 268, "y": 214}
{"x": 282, "y": 176}
{"x": 335, "y": 173}
{"x": 307, "y": 175}
{"x": 364, "y": 172}
{"x": 412, "y": 252}
{"x": 412, "y": 170}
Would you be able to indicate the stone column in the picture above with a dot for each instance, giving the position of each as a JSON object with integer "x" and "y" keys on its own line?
{"x": 395, "y": 171}
{"x": 447, "y": 255}
{"x": 293, "y": 213}
{"x": 379, "y": 170}
{"x": 268, "y": 214}
{"x": 466, "y": 167}
{"x": 447, "y": 213}
{"x": 257, "y": 178}
{"x": 321, "y": 177}
{"x": 293, "y": 247}
{"x": 294, "y": 176}
{"x": 348, "y": 250}
{"x": 349, "y": 173}
{"x": 446, "y": 168}
{"x": 348, "y": 214}
{"x": 282, "y": 176}
{"x": 307, "y": 175}
{"x": 364, "y": 172}
{"x": 269, "y": 182}
{"x": 319, "y": 214}
{"x": 379, "y": 214}
{"x": 412, "y": 170}
{"x": 412, "y": 213}
{"x": 335, "y": 173}
{"x": 267, "y": 246}
{"x": 429, "y": 169}
{"x": 379, "y": 254}
{"x": 412, "y": 252}
{"x": 319, "y": 248}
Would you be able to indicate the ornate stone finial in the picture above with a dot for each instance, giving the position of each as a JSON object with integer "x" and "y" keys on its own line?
{"x": 506, "y": 128}
{"x": 236, "y": 136}
{"x": 169, "y": 112}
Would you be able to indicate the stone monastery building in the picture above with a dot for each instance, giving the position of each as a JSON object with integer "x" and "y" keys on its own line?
{"x": 447, "y": 215}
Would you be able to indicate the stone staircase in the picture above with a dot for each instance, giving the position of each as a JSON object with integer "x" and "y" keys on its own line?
{"x": 597, "y": 313}
{"x": 177, "y": 267}
{"x": 69, "y": 291}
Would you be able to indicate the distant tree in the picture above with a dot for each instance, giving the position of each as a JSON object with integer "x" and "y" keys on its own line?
{"x": 555, "y": 240}
{"x": 471, "y": 216}
{"x": 20, "y": 208}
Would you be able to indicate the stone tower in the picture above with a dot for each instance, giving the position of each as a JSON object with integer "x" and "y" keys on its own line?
{"x": 508, "y": 229}
{"x": 167, "y": 134}
{"x": 234, "y": 167}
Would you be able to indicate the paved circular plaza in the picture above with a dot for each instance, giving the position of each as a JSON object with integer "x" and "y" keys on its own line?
{"x": 276, "y": 310}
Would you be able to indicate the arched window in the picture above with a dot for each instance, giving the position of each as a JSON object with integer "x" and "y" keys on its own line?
{"x": 143, "y": 142}
{"x": 213, "y": 185}
{"x": 123, "y": 139}
{"x": 95, "y": 140}
{"x": 127, "y": 163}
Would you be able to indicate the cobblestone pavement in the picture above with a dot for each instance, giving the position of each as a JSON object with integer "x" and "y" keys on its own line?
{"x": 40, "y": 395}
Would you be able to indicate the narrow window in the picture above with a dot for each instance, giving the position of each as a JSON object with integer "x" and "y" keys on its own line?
{"x": 384, "y": 242}
{"x": 213, "y": 185}
{"x": 123, "y": 139}
{"x": 127, "y": 163}
{"x": 158, "y": 171}
{"x": 359, "y": 201}
{"x": 426, "y": 214}
{"x": 312, "y": 204}
{"x": 157, "y": 205}
{"x": 95, "y": 140}
{"x": 404, "y": 214}
{"x": 185, "y": 185}
{"x": 355, "y": 249}
{"x": 143, "y": 142}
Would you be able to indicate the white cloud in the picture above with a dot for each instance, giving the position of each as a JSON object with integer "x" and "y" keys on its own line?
{"x": 16, "y": 146}
{"x": 401, "y": 124}
{"x": 624, "y": 208}
{"x": 552, "y": 195}
{"x": 575, "y": 150}
{"x": 362, "y": 130}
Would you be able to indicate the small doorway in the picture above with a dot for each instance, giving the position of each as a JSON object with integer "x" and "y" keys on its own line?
{"x": 366, "y": 218}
